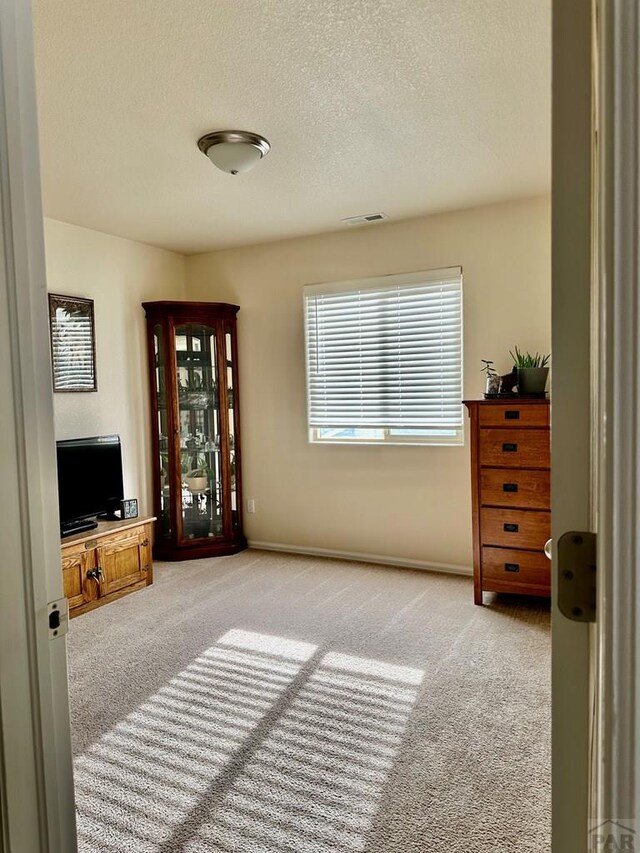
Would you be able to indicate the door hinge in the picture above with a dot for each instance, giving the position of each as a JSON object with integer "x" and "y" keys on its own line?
{"x": 577, "y": 575}
{"x": 58, "y": 618}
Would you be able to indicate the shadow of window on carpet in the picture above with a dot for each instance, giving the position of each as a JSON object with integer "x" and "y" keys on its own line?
{"x": 260, "y": 744}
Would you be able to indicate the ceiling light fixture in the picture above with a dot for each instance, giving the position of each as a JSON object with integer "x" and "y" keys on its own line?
{"x": 234, "y": 151}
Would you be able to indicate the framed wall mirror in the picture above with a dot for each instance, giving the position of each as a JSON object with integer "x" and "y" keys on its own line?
{"x": 73, "y": 343}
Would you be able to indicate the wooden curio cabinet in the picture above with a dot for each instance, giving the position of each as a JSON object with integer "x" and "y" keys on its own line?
{"x": 195, "y": 424}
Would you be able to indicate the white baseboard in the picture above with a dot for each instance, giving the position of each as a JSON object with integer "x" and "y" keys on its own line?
{"x": 400, "y": 562}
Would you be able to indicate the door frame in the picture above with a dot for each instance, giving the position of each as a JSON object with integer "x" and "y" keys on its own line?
{"x": 36, "y": 784}
{"x": 616, "y": 742}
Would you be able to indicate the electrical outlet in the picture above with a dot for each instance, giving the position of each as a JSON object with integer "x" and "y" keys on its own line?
{"x": 251, "y": 505}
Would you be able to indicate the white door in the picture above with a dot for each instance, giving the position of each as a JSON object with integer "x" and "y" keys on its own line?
{"x": 571, "y": 429}
{"x": 596, "y": 417}
{"x": 36, "y": 788}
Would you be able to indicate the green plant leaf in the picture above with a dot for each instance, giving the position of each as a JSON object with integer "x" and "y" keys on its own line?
{"x": 523, "y": 360}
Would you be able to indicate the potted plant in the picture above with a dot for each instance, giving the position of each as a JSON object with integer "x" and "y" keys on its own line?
{"x": 533, "y": 371}
{"x": 196, "y": 479}
{"x": 492, "y": 380}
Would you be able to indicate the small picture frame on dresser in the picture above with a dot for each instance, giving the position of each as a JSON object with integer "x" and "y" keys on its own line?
{"x": 129, "y": 508}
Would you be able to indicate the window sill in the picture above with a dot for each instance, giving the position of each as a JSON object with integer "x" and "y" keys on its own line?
{"x": 383, "y": 443}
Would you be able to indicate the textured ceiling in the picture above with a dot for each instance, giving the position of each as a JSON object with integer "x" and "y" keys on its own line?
{"x": 404, "y": 106}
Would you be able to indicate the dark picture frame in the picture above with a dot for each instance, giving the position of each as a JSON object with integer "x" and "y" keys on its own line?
{"x": 73, "y": 343}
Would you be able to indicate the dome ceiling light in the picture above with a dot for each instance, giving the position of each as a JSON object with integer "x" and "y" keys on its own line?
{"x": 234, "y": 151}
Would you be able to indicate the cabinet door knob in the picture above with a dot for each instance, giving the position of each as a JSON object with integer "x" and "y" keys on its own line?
{"x": 97, "y": 576}
{"x": 144, "y": 543}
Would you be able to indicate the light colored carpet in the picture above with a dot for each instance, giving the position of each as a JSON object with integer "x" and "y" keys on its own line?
{"x": 269, "y": 703}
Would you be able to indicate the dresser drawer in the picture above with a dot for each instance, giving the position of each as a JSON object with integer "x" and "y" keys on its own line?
{"x": 514, "y": 528}
{"x": 505, "y": 570}
{"x": 513, "y": 415}
{"x": 515, "y": 448}
{"x": 529, "y": 489}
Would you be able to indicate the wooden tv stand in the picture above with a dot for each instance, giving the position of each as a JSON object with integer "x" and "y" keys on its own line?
{"x": 101, "y": 565}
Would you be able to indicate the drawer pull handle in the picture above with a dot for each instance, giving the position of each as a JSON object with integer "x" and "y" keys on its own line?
{"x": 512, "y": 415}
{"x": 509, "y": 487}
{"x": 508, "y": 447}
{"x": 510, "y": 528}
{"x": 511, "y": 567}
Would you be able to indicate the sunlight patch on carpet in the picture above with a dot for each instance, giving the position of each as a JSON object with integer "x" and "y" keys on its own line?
{"x": 142, "y": 778}
{"x": 314, "y": 784}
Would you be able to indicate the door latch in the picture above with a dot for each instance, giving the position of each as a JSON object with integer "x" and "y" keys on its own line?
{"x": 58, "y": 618}
{"x": 577, "y": 575}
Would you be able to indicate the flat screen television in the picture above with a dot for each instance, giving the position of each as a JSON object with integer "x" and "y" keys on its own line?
{"x": 89, "y": 477}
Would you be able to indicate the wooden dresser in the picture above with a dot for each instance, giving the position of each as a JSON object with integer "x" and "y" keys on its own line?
{"x": 511, "y": 495}
{"x": 104, "y": 564}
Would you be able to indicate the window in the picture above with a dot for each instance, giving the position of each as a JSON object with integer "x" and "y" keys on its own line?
{"x": 384, "y": 359}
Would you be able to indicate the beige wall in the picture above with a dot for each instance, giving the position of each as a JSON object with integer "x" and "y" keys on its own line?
{"x": 408, "y": 503}
{"x": 411, "y": 503}
{"x": 118, "y": 274}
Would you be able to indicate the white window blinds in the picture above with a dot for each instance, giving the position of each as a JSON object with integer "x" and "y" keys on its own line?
{"x": 386, "y": 353}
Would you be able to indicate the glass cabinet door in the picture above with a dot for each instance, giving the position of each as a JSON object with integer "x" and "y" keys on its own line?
{"x": 199, "y": 431}
{"x": 162, "y": 426}
{"x": 231, "y": 415}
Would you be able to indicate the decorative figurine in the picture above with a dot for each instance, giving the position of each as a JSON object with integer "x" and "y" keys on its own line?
{"x": 492, "y": 382}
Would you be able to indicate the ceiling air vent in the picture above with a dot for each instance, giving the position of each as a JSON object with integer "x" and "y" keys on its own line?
{"x": 367, "y": 219}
